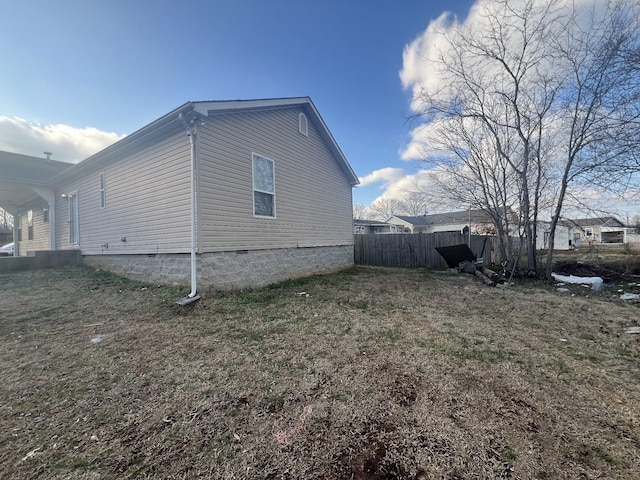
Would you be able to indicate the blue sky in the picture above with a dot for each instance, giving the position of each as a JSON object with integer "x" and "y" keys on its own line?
{"x": 80, "y": 74}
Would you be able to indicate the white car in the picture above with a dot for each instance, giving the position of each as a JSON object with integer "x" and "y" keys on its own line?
{"x": 6, "y": 250}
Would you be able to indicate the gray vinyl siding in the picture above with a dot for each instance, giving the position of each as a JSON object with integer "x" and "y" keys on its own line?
{"x": 147, "y": 202}
{"x": 312, "y": 194}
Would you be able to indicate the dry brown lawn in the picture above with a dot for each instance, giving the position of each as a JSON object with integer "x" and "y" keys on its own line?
{"x": 371, "y": 373}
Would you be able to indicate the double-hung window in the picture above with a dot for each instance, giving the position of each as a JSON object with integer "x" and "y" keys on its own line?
{"x": 264, "y": 192}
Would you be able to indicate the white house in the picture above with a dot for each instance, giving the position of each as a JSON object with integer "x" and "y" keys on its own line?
{"x": 586, "y": 231}
{"x": 244, "y": 192}
{"x": 361, "y": 227}
{"x": 479, "y": 221}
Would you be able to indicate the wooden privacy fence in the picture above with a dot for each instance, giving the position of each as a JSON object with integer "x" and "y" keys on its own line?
{"x": 414, "y": 250}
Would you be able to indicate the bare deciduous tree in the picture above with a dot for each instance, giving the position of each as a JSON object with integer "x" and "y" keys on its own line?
{"x": 383, "y": 209}
{"x": 599, "y": 112}
{"x": 532, "y": 101}
{"x": 6, "y": 219}
{"x": 415, "y": 204}
{"x": 359, "y": 211}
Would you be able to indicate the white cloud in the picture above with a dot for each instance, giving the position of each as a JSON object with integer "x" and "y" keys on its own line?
{"x": 67, "y": 143}
{"x": 401, "y": 187}
{"x": 385, "y": 176}
{"x": 421, "y": 67}
{"x": 590, "y": 202}
{"x": 419, "y": 58}
{"x": 420, "y": 72}
{"x": 419, "y": 148}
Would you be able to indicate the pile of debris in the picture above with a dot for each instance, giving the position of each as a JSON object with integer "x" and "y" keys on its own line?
{"x": 462, "y": 259}
{"x": 488, "y": 276}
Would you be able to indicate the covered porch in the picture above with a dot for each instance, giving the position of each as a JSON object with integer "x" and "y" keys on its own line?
{"x": 25, "y": 190}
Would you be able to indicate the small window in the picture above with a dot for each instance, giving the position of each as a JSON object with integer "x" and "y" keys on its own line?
{"x": 303, "y": 125}
{"x": 45, "y": 215}
{"x": 588, "y": 232}
{"x": 264, "y": 201}
{"x": 74, "y": 234}
{"x": 30, "y": 225}
{"x": 359, "y": 229}
{"x": 103, "y": 192}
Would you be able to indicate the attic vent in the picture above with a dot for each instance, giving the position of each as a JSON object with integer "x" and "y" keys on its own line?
{"x": 303, "y": 126}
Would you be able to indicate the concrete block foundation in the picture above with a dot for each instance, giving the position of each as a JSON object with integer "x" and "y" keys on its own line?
{"x": 228, "y": 270}
{"x": 41, "y": 259}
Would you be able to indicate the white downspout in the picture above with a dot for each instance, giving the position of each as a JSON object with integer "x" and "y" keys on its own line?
{"x": 191, "y": 132}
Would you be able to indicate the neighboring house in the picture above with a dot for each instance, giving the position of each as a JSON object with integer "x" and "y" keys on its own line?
{"x": 271, "y": 197}
{"x": 586, "y": 231}
{"x": 26, "y": 193}
{"x": 372, "y": 226}
{"x": 480, "y": 221}
{"x": 562, "y": 238}
{"x": 481, "y": 224}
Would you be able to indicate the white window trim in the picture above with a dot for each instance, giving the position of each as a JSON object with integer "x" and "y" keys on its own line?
{"x": 103, "y": 191}
{"x": 254, "y": 189}
{"x": 74, "y": 203}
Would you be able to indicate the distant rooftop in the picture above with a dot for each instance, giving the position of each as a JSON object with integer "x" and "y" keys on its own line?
{"x": 478, "y": 216}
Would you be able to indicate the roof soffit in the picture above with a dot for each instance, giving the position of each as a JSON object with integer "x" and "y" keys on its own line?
{"x": 136, "y": 141}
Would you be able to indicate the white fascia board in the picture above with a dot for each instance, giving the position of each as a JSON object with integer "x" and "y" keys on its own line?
{"x": 230, "y": 105}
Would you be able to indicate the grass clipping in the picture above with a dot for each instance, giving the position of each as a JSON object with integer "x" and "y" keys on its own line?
{"x": 371, "y": 373}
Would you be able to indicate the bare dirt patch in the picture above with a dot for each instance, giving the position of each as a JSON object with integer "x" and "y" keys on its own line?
{"x": 372, "y": 373}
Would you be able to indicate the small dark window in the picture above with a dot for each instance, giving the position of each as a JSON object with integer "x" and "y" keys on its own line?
{"x": 30, "y": 225}
{"x": 45, "y": 215}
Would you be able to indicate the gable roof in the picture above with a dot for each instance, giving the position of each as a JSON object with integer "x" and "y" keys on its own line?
{"x": 223, "y": 106}
{"x": 206, "y": 108}
{"x": 594, "y": 222}
{"x": 478, "y": 216}
{"x": 370, "y": 223}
